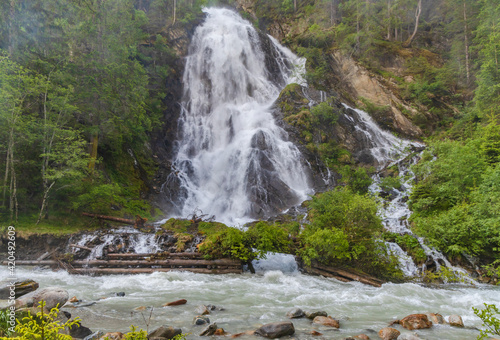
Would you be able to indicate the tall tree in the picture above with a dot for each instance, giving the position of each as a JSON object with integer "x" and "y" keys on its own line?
{"x": 418, "y": 12}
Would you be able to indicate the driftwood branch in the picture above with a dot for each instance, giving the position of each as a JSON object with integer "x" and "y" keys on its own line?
{"x": 80, "y": 247}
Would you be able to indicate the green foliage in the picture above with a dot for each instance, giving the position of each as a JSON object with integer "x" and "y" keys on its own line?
{"x": 324, "y": 245}
{"x": 456, "y": 201}
{"x": 490, "y": 319}
{"x": 409, "y": 244}
{"x": 43, "y": 326}
{"x": 267, "y": 237}
{"x": 358, "y": 179}
{"x": 5, "y": 327}
{"x": 324, "y": 114}
{"x": 490, "y": 143}
{"x": 388, "y": 183}
{"x": 488, "y": 42}
{"x": 229, "y": 242}
{"x": 347, "y": 219}
{"x": 97, "y": 198}
{"x": 136, "y": 334}
{"x": 260, "y": 238}
{"x": 443, "y": 275}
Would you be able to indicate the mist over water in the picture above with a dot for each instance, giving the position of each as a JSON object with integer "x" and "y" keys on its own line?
{"x": 233, "y": 161}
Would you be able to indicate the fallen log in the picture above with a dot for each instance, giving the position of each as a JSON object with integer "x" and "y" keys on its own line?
{"x": 354, "y": 277}
{"x": 146, "y": 263}
{"x": 80, "y": 247}
{"x": 113, "y": 271}
{"x": 154, "y": 255}
{"x": 315, "y": 271}
{"x": 139, "y": 222}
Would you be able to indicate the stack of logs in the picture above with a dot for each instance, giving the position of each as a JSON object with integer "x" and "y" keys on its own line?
{"x": 132, "y": 263}
{"x": 342, "y": 275}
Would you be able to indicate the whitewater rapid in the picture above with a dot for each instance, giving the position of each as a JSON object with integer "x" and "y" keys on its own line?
{"x": 252, "y": 300}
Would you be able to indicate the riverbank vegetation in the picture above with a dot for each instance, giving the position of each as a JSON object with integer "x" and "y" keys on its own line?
{"x": 89, "y": 89}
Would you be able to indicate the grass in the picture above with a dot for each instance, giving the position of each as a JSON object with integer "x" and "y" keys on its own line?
{"x": 60, "y": 224}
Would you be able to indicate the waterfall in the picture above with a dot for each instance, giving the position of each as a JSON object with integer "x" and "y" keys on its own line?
{"x": 388, "y": 150}
{"x": 233, "y": 161}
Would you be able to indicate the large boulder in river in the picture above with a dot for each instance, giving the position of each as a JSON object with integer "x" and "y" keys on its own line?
{"x": 20, "y": 288}
{"x": 164, "y": 332}
{"x": 53, "y": 297}
{"x": 415, "y": 321}
{"x": 388, "y": 333}
{"x": 276, "y": 330}
{"x": 326, "y": 321}
{"x": 455, "y": 320}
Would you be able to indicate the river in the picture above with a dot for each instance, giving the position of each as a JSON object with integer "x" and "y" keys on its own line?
{"x": 252, "y": 300}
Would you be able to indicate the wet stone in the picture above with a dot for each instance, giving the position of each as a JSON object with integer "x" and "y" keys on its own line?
{"x": 276, "y": 330}
{"x": 295, "y": 313}
{"x": 455, "y": 321}
{"x": 201, "y": 320}
{"x": 165, "y": 332}
{"x": 388, "y": 333}
{"x": 312, "y": 315}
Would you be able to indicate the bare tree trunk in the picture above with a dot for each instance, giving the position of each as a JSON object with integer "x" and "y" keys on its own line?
{"x": 333, "y": 12}
{"x": 417, "y": 18}
{"x": 13, "y": 207}
{"x": 44, "y": 201}
{"x": 295, "y": 5}
{"x": 7, "y": 168}
{"x": 93, "y": 151}
{"x": 466, "y": 28}
{"x": 175, "y": 8}
{"x": 11, "y": 23}
{"x": 358, "y": 41}
{"x": 388, "y": 37}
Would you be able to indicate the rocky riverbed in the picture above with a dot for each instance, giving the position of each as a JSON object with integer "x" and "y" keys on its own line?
{"x": 245, "y": 303}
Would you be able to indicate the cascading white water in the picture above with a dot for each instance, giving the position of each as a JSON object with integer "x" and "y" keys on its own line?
{"x": 127, "y": 239}
{"x": 384, "y": 146}
{"x": 389, "y": 150}
{"x": 233, "y": 161}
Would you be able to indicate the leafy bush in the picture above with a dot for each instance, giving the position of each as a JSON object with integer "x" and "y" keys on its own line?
{"x": 246, "y": 246}
{"x": 358, "y": 180}
{"x": 135, "y": 334}
{"x": 229, "y": 242}
{"x": 267, "y": 237}
{"x": 389, "y": 183}
{"x": 490, "y": 321}
{"x": 43, "y": 326}
{"x": 456, "y": 203}
{"x": 324, "y": 113}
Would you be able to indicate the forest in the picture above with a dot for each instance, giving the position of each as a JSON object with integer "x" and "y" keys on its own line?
{"x": 90, "y": 88}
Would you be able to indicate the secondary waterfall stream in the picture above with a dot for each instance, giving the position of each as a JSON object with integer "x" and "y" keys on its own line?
{"x": 233, "y": 162}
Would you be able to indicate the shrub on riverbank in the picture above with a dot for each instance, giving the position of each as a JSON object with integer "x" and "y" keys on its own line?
{"x": 456, "y": 202}
{"x": 345, "y": 231}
